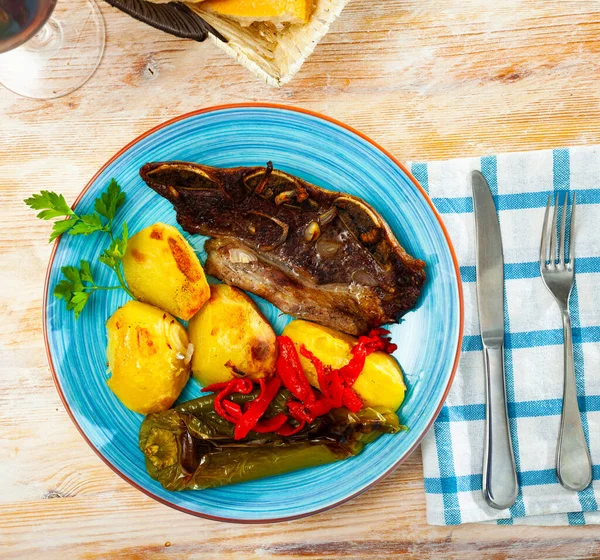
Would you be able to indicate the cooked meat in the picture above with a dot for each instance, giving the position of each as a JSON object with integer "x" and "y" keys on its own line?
{"x": 321, "y": 255}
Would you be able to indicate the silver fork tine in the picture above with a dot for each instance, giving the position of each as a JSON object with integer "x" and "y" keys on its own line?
{"x": 572, "y": 233}
{"x": 544, "y": 242}
{"x": 573, "y": 461}
{"x": 553, "y": 233}
{"x": 563, "y": 225}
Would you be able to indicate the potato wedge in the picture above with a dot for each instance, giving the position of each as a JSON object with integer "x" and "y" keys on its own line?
{"x": 231, "y": 338}
{"x": 381, "y": 382}
{"x": 149, "y": 356}
{"x": 162, "y": 269}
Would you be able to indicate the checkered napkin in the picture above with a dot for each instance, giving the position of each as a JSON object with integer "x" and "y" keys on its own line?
{"x": 533, "y": 361}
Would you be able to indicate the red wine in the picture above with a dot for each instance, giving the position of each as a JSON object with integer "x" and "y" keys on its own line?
{"x": 22, "y": 19}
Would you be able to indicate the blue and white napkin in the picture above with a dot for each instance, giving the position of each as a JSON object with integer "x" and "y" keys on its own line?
{"x": 452, "y": 451}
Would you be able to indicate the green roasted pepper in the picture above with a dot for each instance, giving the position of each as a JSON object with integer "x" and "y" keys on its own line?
{"x": 191, "y": 447}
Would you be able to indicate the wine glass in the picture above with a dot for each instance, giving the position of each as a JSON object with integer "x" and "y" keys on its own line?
{"x": 47, "y": 49}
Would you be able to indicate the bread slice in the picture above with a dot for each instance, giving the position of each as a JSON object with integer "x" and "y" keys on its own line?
{"x": 274, "y": 11}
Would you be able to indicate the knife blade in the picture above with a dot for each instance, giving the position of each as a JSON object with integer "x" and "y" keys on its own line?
{"x": 499, "y": 484}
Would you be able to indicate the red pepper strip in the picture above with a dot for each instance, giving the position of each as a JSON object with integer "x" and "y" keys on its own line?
{"x": 290, "y": 370}
{"x": 351, "y": 400}
{"x": 387, "y": 344}
{"x": 350, "y": 372}
{"x": 336, "y": 388}
{"x": 216, "y": 387}
{"x": 237, "y": 385}
{"x": 322, "y": 376}
{"x": 246, "y": 405}
{"x": 288, "y": 430}
{"x": 320, "y": 407}
{"x": 288, "y": 376}
{"x": 365, "y": 346}
{"x": 300, "y": 412}
{"x": 379, "y": 337}
{"x": 233, "y": 409}
{"x": 256, "y": 409}
{"x": 243, "y": 386}
{"x": 373, "y": 344}
{"x": 270, "y": 425}
{"x": 378, "y": 332}
{"x": 221, "y": 411}
{"x": 263, "y": 387}
{"x": 390, "y": 348}
{"x": 319, "y": 367}
{"x": 329, "y": 380}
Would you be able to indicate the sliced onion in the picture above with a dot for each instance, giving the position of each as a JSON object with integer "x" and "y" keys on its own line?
{"x": 284, "y": 230}
{"x": 364, "y": 278}
{"x": 242, "y": 256}
{"x": 284, "y": 196}
{"x": 326, "y": 248}
{"x": 189, "y": 353}
{"x": 328, "y": 216}
{"x": 312, "y": 232}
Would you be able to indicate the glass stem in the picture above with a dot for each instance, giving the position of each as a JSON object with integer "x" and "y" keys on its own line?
{"x": 49, "y": 38}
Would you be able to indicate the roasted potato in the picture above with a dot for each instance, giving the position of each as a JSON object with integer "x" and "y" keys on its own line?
{"x": 162, "y": 269}
{"x": 231, "y": 338}
{"x": 149, "y": 356}
{"x": 381, "y": 382}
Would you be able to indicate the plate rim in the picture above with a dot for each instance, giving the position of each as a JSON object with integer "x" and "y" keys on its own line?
{"x": 394, "y": 160}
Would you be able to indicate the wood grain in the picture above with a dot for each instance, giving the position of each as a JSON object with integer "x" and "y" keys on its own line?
{"x": 428, "y": 79}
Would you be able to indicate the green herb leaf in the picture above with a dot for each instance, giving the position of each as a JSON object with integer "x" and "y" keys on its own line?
{"x": 109, "y": 201}
{"x": 78, "y": 302}
{"x": 86, "y": 224}
{"x": 112, "y": 256}
{"x": 52, "y": 205}
{"x": 78, "y": 283}
{"x": 63, "y": 290}
{"x": 76, "y": 286}
{"x": 72, "y": 274}
{"x": 58, "y": 228}
{"x": 86, "y": 272}
{"x": 123, "y": 240}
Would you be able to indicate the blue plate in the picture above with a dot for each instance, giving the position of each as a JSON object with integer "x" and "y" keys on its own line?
{"x": 323, "y": 152}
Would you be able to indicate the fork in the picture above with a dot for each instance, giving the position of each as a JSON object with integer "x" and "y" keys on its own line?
{"x": 573, "y": 462}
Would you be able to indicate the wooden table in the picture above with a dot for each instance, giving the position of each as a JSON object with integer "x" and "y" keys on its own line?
{"x": 428, "y": 79}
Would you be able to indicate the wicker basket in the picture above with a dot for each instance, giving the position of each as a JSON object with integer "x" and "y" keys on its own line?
{"x": 273, "y": 53}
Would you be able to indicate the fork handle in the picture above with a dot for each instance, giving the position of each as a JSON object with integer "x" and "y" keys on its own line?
{"x": 499, "y": 483}
{"x": 573, "y": 461}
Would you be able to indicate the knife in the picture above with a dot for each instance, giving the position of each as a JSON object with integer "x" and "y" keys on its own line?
{"x": 499, "y": 474}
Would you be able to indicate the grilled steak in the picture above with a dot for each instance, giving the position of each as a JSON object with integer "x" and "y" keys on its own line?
{"x": 316, "y": 254}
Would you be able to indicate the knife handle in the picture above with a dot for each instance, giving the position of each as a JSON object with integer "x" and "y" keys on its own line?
{"x": 499, "y": 474}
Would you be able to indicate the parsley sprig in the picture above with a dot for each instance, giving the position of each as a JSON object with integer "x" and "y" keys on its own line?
{"x": 78, "y": 283}
{"x": 54, "y": 205}
{"x": 113, "y": 256}
{"x": 77, "y": 286}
